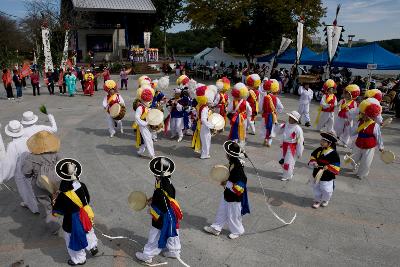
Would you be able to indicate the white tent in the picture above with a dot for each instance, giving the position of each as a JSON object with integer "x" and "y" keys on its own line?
{"x": 214, "y": 55}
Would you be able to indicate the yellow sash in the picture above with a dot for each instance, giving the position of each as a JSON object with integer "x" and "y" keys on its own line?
{"x": 271, "y": 104}
{"x": 74, "y": 197}
{"x": 328, "y": 99}
{"x": 196, "y": 141}
{"x": 138, "y": 136}
{"x": 364, "y": 125}
{"x": 346, "y": 104}
{"x": 254, "y": 96}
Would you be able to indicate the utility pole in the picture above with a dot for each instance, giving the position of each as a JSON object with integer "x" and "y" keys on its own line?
{"x": 350, "y": 40}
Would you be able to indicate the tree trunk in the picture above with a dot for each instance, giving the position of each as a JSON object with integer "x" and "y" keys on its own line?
{"x": 165, "y": 42}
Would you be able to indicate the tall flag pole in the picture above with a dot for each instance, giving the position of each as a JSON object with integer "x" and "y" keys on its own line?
{"x": 65, "y": 51}
{"x": 300, "y": 27}
{"x": 333, "y": 37}
{"x": 48, "y": 61}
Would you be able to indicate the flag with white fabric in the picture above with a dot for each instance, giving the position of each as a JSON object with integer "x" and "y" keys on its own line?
{"x": 333, "y": 37}
{"x": 300, "y": 27}
{"x": 284, "y": 45}
{"x": 65, "y": 51}
{"x": 48, "y": 61}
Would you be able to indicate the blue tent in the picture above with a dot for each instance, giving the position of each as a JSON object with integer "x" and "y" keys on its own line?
{"x": 359, "y": 58}
{"x": 289, "y": 56}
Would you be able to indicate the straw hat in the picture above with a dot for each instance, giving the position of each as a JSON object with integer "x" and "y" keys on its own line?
{"x": 14, "y": 129}
{"x": 43, "y": 142}
{"x": 63, "y": 171}
{"x": 29, "y": 118}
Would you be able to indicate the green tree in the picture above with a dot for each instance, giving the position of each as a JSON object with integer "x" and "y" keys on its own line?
{"x": 169, "y": 12}
{"x": 254, "y": 26}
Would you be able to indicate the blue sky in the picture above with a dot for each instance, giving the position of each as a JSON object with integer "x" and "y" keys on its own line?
{"x": 367, "y": 19}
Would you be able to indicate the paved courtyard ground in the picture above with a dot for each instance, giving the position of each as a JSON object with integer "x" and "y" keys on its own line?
{"x": 361, "y": 226}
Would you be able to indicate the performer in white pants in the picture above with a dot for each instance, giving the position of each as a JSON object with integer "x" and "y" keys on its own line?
{"x": 11, "y": 165}
{"x": 306, "y": 95}
{"x": 234, "y": 202}
{"x": 253, "y": 81}
{"x": 327, "y": 159}
{"x": 164, "y": 209}
{"x": 73, "y": 204}
{"x": 176, "y": 115}
{"x": 346, "y": 115}
{"x": 326, "y": 113}
{"x": 292, "y": 143}
{"x": 202, "y": 135}
{"x": 29, "y": 120}
{"x": 110, "y": 99}
{"x": 144, "y": 138}
{"x": 368, "y": 136}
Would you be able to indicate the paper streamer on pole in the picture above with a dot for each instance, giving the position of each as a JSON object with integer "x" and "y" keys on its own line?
{"x": 2, "y": 150}
{"x": 48, "y": 62}
{"x": 333, "y": 36}
{"x": 146, "y": 39}
{"x": 284, "y": 45}
{"x": 65, "y": 51}
{"x": 300, "y": 27}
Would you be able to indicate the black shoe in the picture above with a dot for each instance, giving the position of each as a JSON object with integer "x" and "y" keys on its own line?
{"x": 281, "y": 161}
{"x": 71, "y": 263}
{"x": 94, "y": 251}
{"x": 307, "y": 124}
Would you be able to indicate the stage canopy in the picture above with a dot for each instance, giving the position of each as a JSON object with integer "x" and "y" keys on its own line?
{"x": 289, "y": 56}
{"x": 359, "y": 58}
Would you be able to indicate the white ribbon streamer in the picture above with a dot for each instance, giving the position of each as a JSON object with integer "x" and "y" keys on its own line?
{"x": 265, "y": 198}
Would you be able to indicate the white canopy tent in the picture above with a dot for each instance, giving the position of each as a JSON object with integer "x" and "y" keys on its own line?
{"x": 214, "y": 55}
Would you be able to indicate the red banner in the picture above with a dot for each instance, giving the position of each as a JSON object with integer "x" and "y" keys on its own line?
{"x": 26, "y": 71}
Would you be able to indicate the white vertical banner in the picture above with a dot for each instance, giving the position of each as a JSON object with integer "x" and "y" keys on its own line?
{"x": 48, "y": 62}
{"x": 146, "y": 39}
{"x": 333, "y": 34}
{"x": 65, "y": 51}
{"x": 300, "y": 27}
{"x": 284, "y": 45}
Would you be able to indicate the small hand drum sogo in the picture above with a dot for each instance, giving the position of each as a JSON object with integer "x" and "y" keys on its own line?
{"x": 388, "y": 157}
{"x": 137, "y": 200}
{"x": 318, "y": 176}
{"x": 155, "y": 119}
{"x": 219, "y": 173}
{"x": 117, "y": 111}
{"x": 217, "y": 120}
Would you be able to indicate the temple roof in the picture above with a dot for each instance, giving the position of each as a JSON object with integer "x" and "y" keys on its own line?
{"x": 125, "y": 6}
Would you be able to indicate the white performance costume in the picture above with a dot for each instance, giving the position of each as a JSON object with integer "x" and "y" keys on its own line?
{"x": 345, "y": 120}
{"x": 327, "y": 115}
{"x": 144, "y": 131}
{"x": 306, "y": 95}
{"x": 292, "y": 146}
{"x": 11, "y": 167}
{"x": 229, "y": 213}
{"x": 176, "y": 123}
{"x": 80, "y": 256}
{"x": 364, "y": 149}
{"x": 113, "y": 125}
{"x": 205, "y": 134}
{"x": 151, "y": 248}
{"x": 33, "y": 129}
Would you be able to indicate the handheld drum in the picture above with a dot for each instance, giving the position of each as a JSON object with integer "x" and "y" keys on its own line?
{"x": 117, "y": 111}
{"x": 137, "y": 200}
{"x": 155, "y": 118}
{"x": 388, "y": 157}
{"x": 318, "y": 176}
{"x": 219, "y": 173}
